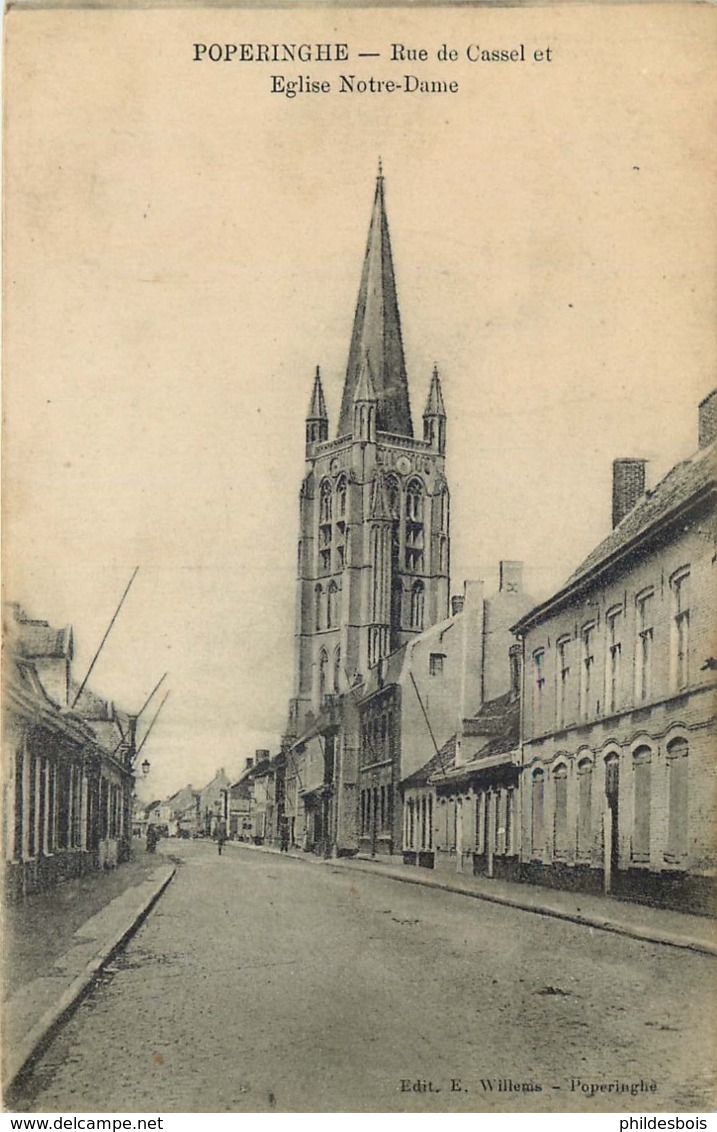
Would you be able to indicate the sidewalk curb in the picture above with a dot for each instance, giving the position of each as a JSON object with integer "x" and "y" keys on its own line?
{"x": 37, "y": 1038}
{"x": 646, "y": 935}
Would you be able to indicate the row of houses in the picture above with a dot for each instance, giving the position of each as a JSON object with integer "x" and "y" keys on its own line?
{"x": 569, "y": 742}
{"x": 189, "y": 812}
{"x": 68, "y": 763}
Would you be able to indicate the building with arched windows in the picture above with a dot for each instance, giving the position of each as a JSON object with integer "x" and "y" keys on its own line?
{"x": 619, "y": 779}
{"x": 373, "y": 555}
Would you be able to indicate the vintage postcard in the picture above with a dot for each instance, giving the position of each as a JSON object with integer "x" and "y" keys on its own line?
{"x": 359, "y": 560}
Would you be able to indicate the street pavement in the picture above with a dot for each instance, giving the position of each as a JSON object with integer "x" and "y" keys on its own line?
{"x": 263, "y": 983}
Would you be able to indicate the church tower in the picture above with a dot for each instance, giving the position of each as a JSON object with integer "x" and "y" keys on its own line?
{"x": 373, "y": 554}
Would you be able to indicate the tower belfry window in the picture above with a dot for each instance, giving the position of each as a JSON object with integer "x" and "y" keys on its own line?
{"x": 341, "y": 498}
{"x": 393, "y": 502}
{"x": 318, "y": 594}
{"x": 393, "y": 497}
{"x": 323, "y": 674}
{"x": 340, "y": 528}
{"x": 417, "y": 605}
{"x": 326, "y": 502}
{"x": 325, "y": 511}
{"x": 331, "y": 607}
{"x": 444, "y": 510}
{"x": 414, "y": 527}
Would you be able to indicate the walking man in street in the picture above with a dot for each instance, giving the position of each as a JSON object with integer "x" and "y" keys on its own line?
{"x": 220, "y": 833}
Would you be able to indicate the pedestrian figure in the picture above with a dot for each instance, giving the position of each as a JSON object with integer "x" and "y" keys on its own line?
{"x": 220, "y": 834}
{"x": 284, "y": 836}
{"x": 152, "y": 838}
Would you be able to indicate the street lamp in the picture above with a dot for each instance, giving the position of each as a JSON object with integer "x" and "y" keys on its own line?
{"x": 145, "y": 767}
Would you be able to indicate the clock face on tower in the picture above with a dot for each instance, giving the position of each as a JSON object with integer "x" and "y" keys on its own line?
{"x": 403, "y": 465}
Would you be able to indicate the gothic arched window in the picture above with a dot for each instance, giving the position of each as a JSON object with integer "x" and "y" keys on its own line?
{"x": 341, "y": 497}
{"x": 337, "y": 668}
{"x": 318, "y": 593}
{"x": 414, "y": 526}
{"x": 443, "y": 555}
{"x": 331, "y": 606}
{"x": 444, "y": 509}
{"x": 393, "y": 496}
{"x": 340, "y": 532}
{"x": 325, "y": 500}
{"x": 414, "y": 501}
{"x": 323, "y": 673}
{"x": 417, "y": 605}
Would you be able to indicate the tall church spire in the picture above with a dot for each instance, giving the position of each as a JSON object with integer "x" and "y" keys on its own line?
{"x": 377, "y": 332}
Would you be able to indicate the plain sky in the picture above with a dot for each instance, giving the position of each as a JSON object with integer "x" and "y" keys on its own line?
{"x": 183, "y": 247}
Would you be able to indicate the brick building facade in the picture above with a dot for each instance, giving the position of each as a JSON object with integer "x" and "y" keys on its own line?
{"x": 619, "y": 775}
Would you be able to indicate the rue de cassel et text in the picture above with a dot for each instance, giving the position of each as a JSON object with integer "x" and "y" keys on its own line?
{"x": 341, "y": 53}
{"x": 349, "y": 82}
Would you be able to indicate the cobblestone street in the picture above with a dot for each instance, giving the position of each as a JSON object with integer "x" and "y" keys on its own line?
{"x": 264, "y": 983}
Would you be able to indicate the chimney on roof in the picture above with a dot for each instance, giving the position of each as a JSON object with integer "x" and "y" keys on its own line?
{"x": 511, "y": 577}
{"x": 707, "y": 419}
{"x": 261, "y": 756}
{"x": 249, "y": 764}
{"x": 628, "y": 485}
{"x": 457, "y": 604}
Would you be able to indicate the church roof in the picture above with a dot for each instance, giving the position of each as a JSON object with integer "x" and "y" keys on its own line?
{"x": 377, "y": 333}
